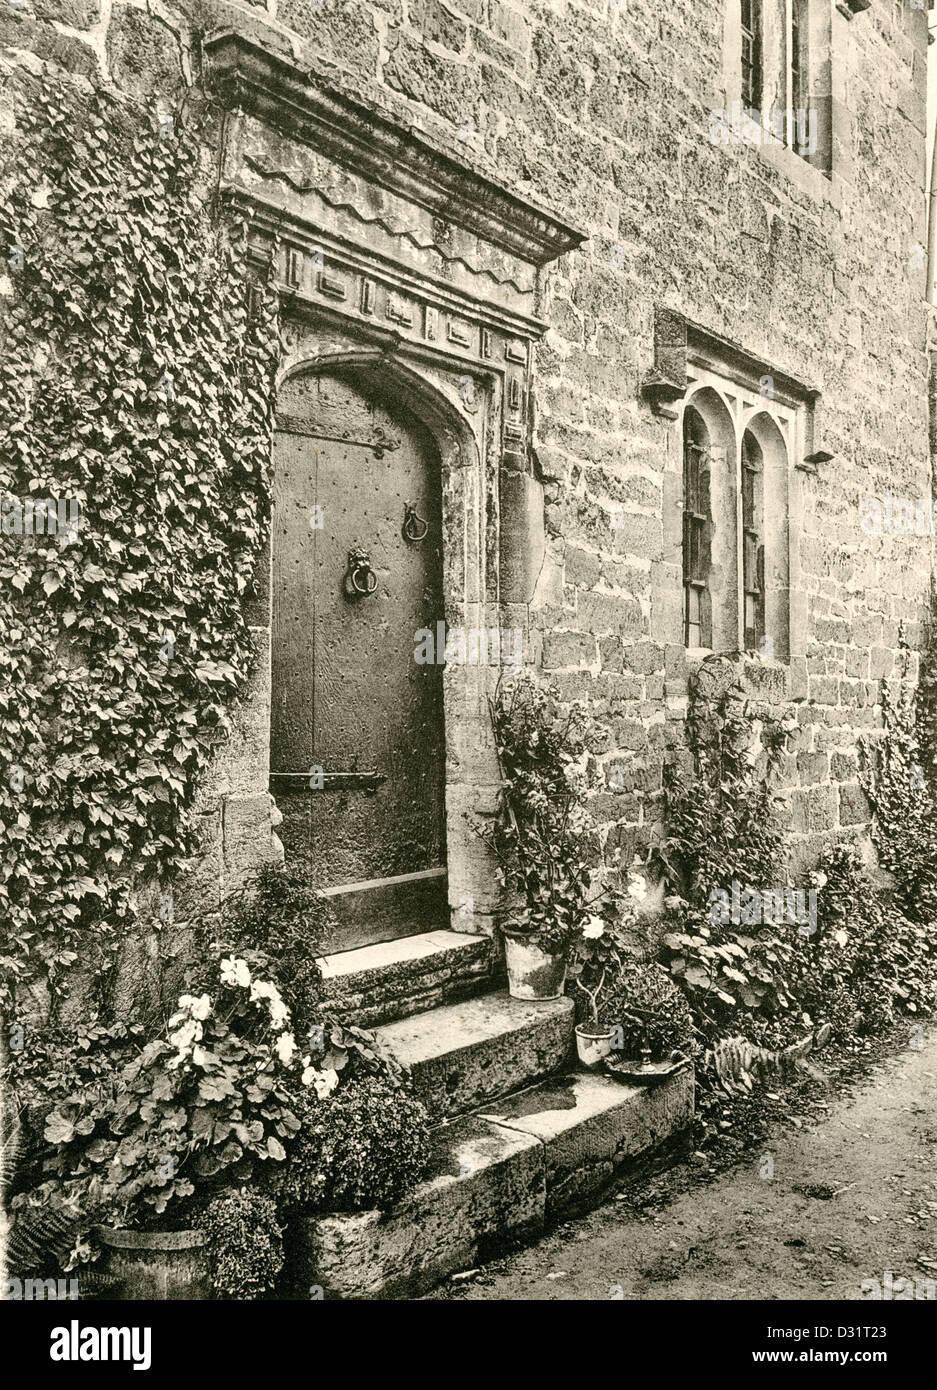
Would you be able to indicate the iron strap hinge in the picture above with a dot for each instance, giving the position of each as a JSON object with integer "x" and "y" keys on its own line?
{"x": 316, "y": 781}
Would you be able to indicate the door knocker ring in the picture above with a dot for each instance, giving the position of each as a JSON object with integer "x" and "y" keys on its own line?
{"x": 360, "y": 579}
{"x": 414, "y": 527}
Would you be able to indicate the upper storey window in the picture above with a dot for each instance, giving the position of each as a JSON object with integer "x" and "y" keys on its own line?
{"x": 751, "y": 54}
{"x": 778, "y": 77}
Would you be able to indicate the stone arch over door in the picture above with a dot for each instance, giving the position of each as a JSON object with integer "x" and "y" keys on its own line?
{"x": 396, "y": 260}
{"x": 354, "y": 432}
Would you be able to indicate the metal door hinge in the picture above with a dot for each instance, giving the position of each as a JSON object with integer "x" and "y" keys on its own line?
{"x": 318, "y": 781}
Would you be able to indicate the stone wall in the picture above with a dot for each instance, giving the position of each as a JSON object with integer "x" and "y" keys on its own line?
{"x": 602, "y": 111}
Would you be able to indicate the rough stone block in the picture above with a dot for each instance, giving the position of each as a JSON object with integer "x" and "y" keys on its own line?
{"x": 395, "y": 979}
{"x": 197, "y": 888}
{"x": 143, "y": 52}
{"x": 249, "y": 842}
{"x": 488, "y": 1189}
{"x": 591, "y": 1125}
{"x": 853, "y": 805}
{"x": 568, "y": 649}
{"x": 462, "y": 1055}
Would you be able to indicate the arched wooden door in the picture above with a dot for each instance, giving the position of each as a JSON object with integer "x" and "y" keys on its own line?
{"x": 357, "y": 731}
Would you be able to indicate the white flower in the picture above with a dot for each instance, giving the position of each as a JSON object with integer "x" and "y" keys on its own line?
{"x": 324, "y": 1081}
{"x": 199, "y": 1056}
{"x": 184, "y": 1040}
{"x": 234, "y": 971}
{"x": 187, "y": 1035}
{"x": 593, "y": 929}
{"x": 279, "y": 1013}
{"x": 198, "y": 1008}
{"x": 820, "y": 880}
{"x": 285, "y": 1048}
{"x": 637, "y": 888}
{"x": 841, "y": 937}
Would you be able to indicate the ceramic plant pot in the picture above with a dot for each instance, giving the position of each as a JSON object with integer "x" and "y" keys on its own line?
{"x": 532, "y": 972}
{"x": 157, "y": 1265}
{"x": 593, "y": 1043}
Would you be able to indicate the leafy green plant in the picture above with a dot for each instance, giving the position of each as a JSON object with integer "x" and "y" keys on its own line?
{"x": 209, "y": 1101}
{"x": 651, "y": 1010}
{"x": 599, "y": 953}
{"x": 135, "y": 384}
{"x": 245, "y": 1244}
{"x": 898, "y": 777}
{"x": 867, "y": 963}
{"x": 278, "y": 914}
{"x": 725, "y": 833}
{"x": 363, "y": 1147}
{"x": 542, "y": 837}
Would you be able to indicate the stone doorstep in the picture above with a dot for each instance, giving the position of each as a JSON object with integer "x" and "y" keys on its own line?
{"x": 394, "y": 979}
{"x": 590, "y": 1126}
{"x": 463, "y": 1055}
{"x": 498, "y": 1179}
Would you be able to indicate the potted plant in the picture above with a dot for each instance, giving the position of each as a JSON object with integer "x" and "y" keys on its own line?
{"x": 153, "y": 1162}
{"x": 597, "y": 960}
{"x": 207, "y": 1103}
{"x": 652, "y": 1021}
{"x": 541, "y": 835}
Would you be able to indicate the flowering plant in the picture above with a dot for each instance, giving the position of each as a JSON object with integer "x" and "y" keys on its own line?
{"x": 599, "y": 950}
{"x": 542, "y": 836}
{"x": 211, "y": 1100}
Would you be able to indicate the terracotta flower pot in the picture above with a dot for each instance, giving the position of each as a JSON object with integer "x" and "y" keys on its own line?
{"x": 593, "y": 1042}
{"x": 157, "y": 1265}
{"x": 533, "y": 973}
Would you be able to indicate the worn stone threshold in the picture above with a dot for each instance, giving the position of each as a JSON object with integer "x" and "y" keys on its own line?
{"x": 461, "y": 1056}
{"x": 392, "y": 980}
{"x": 500, "y": 1177}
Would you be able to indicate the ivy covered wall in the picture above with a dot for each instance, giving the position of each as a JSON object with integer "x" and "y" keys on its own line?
{"x": 603, "y": 111}
{"x": 136, "y": 393}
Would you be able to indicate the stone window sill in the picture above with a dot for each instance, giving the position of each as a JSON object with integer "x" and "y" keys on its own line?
{"x": 821, "y": 187}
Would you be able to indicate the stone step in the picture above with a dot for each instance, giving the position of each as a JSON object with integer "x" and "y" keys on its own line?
{"x": 394, "y": 979}
{"x": 463, "y": 1055}
{"x": 498, "y": 1178}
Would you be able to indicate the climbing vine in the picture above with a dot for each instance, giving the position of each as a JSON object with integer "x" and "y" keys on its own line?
{"x": 726, "y": 839}
{"x": 897, "y": 772}
{"x": 136, "y": 392}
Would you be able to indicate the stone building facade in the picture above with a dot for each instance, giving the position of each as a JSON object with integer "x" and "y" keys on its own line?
{"x": 540, "y": 256}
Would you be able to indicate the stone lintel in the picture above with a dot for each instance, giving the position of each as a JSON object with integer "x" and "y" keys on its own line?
{"x": 680, "y": 343}
{"x": 394, "y": 155}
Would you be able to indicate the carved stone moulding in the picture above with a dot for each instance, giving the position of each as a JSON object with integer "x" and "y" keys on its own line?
{"x": 390, "y": 153}
{"x": 320, "y": 276}
{"x": 470, "y": 328}
{"x": 679, "y": 343}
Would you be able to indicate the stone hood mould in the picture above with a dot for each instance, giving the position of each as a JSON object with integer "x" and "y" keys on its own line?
{"x": 396, "y": 156}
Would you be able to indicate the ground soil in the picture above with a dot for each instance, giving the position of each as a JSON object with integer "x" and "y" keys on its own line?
{"x": 800, "y": 1194}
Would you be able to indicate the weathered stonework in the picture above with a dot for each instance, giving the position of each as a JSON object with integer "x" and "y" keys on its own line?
{"x": 498, "y": 1178}
{"x": 574, "y": 354}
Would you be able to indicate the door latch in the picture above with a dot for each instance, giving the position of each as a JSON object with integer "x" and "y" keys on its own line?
{"x": 414, "y": 527}
{"x": 360, "y": 579}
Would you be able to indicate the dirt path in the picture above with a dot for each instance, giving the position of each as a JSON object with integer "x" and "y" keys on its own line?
{"x": 852, "y": 1195}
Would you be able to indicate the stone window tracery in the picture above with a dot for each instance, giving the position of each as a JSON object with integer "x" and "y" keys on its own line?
{"x": 737, "y": 448}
